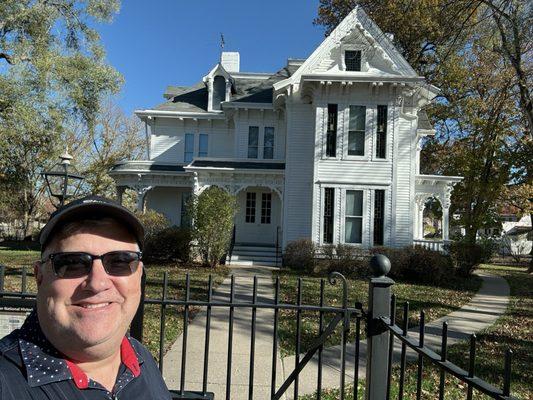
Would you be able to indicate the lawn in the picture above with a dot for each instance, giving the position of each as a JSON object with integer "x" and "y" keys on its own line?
{"x": 435, "y": 301}
{"x": 513, "y": 330}
{"x": 16, "y": 257}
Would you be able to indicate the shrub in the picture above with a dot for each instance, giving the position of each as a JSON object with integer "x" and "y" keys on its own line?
{"x": 399, "y": 259}
{"x": 153, "y": 223}
{"x": 466, "y": 256}
{"x": 300, "y": 254}
{"x": 428, "y": 266}
{"x": 349, "y": 261}
{"x": 172, "y": 243}
{"x": 212, "y": 213}
{"x": 417, "y": 264}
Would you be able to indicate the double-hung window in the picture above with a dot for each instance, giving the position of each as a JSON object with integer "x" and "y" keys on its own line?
{"x": 331, "y": 134}
{"x": 354, "y": 217}
{"x": 268, "y": 143}
{"x": 189, "y": 147}
{"x": 356, "y": 134}
{"x": 381, "y": 134}
{"x": 203, "y": 145}
{"x": 253, "y": 141}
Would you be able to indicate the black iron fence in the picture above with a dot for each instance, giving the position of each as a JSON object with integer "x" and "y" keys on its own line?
{"x": 379, "y": 321}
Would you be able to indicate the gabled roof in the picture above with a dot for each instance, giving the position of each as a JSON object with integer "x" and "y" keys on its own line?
{"x": 191, "y": 99}
{"x": 260, "y": 91}
{"x": 356, "y": 19}
{"x": 247, "y": 89}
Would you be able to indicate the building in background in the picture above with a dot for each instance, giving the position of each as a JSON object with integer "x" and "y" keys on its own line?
{"x": 326, "y": 148}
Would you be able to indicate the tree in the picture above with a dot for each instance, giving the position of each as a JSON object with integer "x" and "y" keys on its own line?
{"x": 52, "y": 72}
{"x": 116, "y": 137}
{"x": 212, "y": 213}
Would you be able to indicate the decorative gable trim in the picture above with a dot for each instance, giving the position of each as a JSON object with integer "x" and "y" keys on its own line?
{"x": 355, "y": 20}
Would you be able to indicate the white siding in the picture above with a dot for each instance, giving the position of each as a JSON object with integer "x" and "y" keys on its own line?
{"x": 403, "y": 184}
{"x": 299, "y": 172}
{"x": 167, "y": 143}
{"x": 166, "y": 200}
{"x": 246, "y": 118}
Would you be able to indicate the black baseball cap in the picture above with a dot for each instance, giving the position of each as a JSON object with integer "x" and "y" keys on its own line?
{"x": 92, "y": 207}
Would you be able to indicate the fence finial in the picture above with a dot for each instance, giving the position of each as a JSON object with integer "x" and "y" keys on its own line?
{"x": 379, "y": 265}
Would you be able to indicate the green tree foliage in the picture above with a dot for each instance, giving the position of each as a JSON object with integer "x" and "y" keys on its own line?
{"x": 212, "y": 214}
{"x": 52, "y": 76}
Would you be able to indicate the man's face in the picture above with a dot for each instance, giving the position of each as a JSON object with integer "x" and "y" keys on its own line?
{"x": 90, "y": 313}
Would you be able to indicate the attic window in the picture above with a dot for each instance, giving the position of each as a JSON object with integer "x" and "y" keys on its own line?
{"x": 352, "y": 60}
{"x": 219, "y": 91}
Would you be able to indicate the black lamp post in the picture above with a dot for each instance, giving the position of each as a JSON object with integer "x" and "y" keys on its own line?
{"x": 63, "y": 180}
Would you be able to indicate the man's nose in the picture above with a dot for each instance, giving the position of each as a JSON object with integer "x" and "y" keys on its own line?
{"x": 98, "y": 279}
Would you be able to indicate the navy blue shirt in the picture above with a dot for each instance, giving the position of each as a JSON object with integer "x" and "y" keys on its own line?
{"x": 31, "y": 368}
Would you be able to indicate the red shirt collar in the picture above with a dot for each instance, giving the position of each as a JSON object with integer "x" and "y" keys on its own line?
{"x": 127, "y": 356}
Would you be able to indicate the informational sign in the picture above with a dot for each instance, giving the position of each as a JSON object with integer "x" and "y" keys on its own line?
{"x": 9, "y": 321}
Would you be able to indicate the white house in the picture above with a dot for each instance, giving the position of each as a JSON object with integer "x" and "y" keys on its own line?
{"x": 326, "y": 148}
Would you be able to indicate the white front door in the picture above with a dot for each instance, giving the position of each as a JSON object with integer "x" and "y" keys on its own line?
{"x": 258, "y": 216}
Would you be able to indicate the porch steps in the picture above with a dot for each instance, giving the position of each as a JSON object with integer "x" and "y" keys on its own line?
{"x": 255, "y": 254}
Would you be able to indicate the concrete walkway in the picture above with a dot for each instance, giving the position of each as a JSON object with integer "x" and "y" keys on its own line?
{"x": 481, "y": 312}
{"x": 218, "y": 353}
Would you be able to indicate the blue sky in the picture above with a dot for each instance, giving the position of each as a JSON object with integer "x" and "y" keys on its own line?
{"x": 176, "y": 42}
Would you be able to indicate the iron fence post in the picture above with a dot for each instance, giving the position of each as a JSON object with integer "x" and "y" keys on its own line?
{"x": 136, "y": 327}
{"x": 379, "y": 298}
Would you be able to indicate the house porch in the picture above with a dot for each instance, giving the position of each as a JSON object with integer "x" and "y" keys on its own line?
{"x": 433, "y": 187}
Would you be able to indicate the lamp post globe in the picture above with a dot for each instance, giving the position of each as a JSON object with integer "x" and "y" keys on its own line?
{"x": 63, "y": 180}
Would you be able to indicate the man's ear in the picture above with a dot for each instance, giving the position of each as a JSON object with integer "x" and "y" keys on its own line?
{"x": 38, "y": 272}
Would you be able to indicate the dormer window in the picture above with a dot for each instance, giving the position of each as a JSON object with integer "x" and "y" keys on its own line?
{"x": 352, "y": 60}
{"x": 219, "y": 91}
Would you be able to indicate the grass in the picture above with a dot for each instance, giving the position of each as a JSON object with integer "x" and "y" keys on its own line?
{"x": 17, "y": 256}
{"x": 435, "y": 301}
{"x": 513, "y": 330}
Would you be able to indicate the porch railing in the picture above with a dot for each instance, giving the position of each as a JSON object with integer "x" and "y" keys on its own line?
{"x": 435, "y": 245}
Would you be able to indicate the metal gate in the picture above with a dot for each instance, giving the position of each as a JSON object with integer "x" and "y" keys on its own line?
{"x": 379, "y": 323}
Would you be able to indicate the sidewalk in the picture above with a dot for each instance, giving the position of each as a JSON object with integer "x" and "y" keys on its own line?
{"x": 218, "y": 353}
{"x": 481, "y": 312}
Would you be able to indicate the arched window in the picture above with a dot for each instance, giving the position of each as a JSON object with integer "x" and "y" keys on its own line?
{"x": 219, "y": 91}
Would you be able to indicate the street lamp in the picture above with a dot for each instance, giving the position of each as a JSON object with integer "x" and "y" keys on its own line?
{"x": 63, "y": 180}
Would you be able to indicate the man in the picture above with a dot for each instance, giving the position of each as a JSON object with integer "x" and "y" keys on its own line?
{"x": 74, "y": 345}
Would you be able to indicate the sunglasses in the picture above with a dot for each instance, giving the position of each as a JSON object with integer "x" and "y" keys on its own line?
{"x": 78, "y": 264}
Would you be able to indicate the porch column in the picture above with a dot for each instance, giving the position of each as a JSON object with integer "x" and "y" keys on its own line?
{"x": 445, "y": 223}
{"x": 446, "y": 203}
{"x": 141, "y": 195}
{"x": 120, "y": 193}
{"x": 419, "y": 228}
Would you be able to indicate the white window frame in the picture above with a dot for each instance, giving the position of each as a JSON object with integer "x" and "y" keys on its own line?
{"x": 274, "y": 142}
{"x": 206, "y": 135}
{"x": 368, "y": 132}
{"x": 185, "y": 152}
{"x": 389, "y": 135}
{"x": 362, "y": 217}
{"x": 258, "y": 146}
{"x": 353, "y": 47}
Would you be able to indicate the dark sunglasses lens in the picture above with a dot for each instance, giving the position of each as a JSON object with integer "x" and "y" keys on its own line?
{"x": 121, "y": 263}
{"x": 72, "y": 265}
